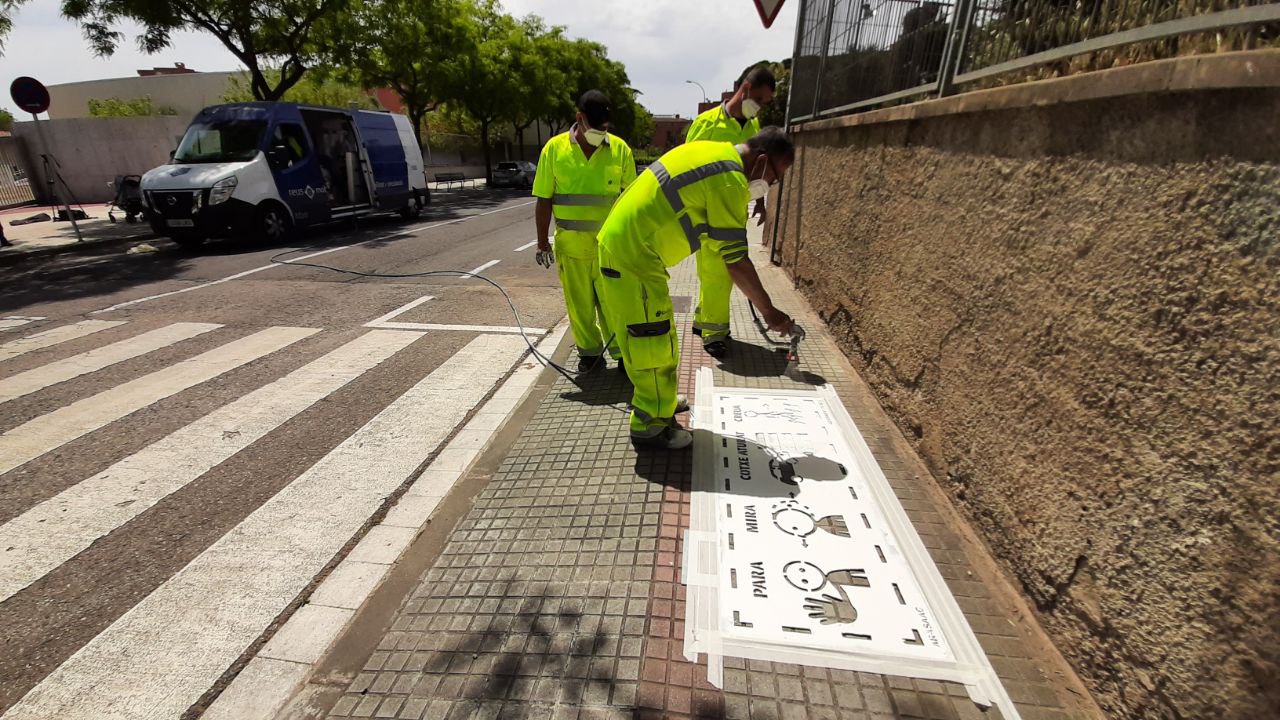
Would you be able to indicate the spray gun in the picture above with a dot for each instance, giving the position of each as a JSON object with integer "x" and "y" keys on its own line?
{"x": 792, "y": 346}
{"x": 793, "y": 352}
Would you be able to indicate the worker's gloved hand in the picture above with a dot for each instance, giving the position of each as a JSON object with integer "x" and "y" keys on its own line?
{"x": 546, "y": 258}
{"x": 779, "y": 321}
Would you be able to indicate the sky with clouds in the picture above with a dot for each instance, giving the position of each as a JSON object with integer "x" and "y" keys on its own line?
{"x": 661, "y": 42}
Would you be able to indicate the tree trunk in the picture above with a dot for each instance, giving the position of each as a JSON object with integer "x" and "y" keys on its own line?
{"x": 484, "y": 141}
{"x": 289, "y": 76}
{"x": 416, "y": 115}
{"x": 520, "y": 139}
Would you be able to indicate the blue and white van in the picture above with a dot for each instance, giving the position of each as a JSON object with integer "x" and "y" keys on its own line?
{"x": 266, "y": 168}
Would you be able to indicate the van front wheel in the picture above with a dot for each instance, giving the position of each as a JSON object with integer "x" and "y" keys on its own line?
{"x": 273, "y": 224}
{"x": 411, "y": 210}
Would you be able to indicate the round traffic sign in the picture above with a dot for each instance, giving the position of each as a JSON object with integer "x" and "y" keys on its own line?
{"x": 29, "y": 94}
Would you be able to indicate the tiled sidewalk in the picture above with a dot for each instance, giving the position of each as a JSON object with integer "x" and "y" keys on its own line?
{"x": 558, "y": 594}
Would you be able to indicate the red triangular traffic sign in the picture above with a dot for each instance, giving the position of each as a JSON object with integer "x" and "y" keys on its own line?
{"x": 768, "y": 10}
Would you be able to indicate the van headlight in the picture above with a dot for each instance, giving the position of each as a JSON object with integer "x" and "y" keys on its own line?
{"x": 222, "y": 190}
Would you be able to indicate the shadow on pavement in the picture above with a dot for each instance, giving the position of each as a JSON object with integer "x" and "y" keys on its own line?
{"x": 751, "y": 360}
{"x": 674, "y": 468}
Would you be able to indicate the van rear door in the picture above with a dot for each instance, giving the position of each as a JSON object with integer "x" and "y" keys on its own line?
{"x": 386, "y": 159}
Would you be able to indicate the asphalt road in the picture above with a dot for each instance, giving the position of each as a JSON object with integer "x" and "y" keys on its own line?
{"x": 114, "y": 475}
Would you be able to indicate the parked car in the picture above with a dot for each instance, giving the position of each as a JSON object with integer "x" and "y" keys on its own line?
{"x": 514, "y": 174}
{"x": 266, "y": 168}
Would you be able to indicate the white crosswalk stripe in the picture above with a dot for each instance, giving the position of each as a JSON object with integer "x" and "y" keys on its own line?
{"x": 49, "y": 338}
{"x": 14, "y": 321}
{"x": 52, "y": 430}
{"x": 54, "y": 531}
{"x": 40, "y": 378}
{"x": 164, "y": 653}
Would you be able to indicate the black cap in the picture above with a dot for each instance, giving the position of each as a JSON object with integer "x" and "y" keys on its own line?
{"x": 595, "y": 106}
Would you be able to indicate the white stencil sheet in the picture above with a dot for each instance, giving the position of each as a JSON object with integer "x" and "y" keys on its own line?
{"x": 799, "y": 551}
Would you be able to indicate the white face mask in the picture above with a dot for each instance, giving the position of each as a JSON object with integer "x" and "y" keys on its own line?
{"x": 758, "y": 189}
{"x": 750, "y": 108}
{"x": 594, "y": 137}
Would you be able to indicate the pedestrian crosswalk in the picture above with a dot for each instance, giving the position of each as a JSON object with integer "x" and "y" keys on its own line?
{"x": 49, "y": 338}
{"x": 97, "y": 359}
{"x": 161, "y": 655}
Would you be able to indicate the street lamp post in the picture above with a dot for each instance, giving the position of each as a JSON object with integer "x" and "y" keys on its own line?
{"x": 704, "y": 92}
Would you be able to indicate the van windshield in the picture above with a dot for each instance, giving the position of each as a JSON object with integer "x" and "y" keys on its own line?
{"x": 221, "y": 141}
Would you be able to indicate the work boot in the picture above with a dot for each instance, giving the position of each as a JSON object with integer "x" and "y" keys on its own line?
{"x": 671, "y": 438}
{"x": 590, "y": 363}
{"x": 682, "y": 404}
{"x": 622, "y": 366}
{"x": 717, "y": 348}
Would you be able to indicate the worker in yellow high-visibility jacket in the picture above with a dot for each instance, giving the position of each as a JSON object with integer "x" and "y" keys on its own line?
{"x": 580, "y": 174}
{"x": 695, "y": 195}
{"x": 732, "y": 121}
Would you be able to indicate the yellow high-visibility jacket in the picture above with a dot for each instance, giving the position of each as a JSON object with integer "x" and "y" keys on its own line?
{"x": 718, "y": 125}
{"x": 582, "y": 189}
{"x": 695, "y": 194}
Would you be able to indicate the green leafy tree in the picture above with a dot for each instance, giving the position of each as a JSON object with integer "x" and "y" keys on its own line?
{"x": 6, "y": 120}
{"x": 587, "y": 67}
{"x": 643, "y": 129}
{"x": 8, "y": 8}
{"x": 320, "y": 86}
{"x": 480, "y": 81}
{"x": 410, "y": 46}
{"x": 131, "y": 107}
{"x": 262, "y": 34}
{"x": 539, "y": 87}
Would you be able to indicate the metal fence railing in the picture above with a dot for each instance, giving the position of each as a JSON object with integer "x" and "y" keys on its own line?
{"x": 15, "y": 184}
{"x": 856, "y": 54}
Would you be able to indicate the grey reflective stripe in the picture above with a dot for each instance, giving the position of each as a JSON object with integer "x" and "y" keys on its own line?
{"x": 716, "y": 233}
{"x": 735, "y": 252}
{"x": 583, "y": 225}
{"x": 644, "y": 416}
{"x": 668, "y": 188}
{"x": 702, "y": 172}
{"x": 671, "y": 189}
{"x": 582, "y": 199}
{"x": 691, "y": 233}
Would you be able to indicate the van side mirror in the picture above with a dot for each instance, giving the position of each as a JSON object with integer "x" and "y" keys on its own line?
{"x": 173, "y": 153}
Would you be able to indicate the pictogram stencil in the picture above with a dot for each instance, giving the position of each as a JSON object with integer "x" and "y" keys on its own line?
{"x": 800, "y": 552}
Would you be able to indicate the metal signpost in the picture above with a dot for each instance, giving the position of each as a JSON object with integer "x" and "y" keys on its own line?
{"x": 31, "y": 95}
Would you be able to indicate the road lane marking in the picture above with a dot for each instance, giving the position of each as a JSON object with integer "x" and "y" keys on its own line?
{"x": 158, "y": 658}
{"x": 47, "y": 432}
{"x": 12, "y": 321}
{"x": 484, "y": 267}
{"x": 44, "y": 376}
{"x": 246, "y": 273}
{"x": 398, "y": 311}
{"x": 424, "y": 327}
{"x": 48, "y": 338}
{"x": 51, "y": 533}
{"x": 526, "y": 246}
{"x": 228, "y": 278}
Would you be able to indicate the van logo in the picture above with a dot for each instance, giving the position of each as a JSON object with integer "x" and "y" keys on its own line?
{"x": 310, "y": 191}
{"x": 172, "y": 200}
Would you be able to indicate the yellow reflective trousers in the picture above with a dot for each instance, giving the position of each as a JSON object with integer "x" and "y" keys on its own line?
{"x": 639, "y": 304}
